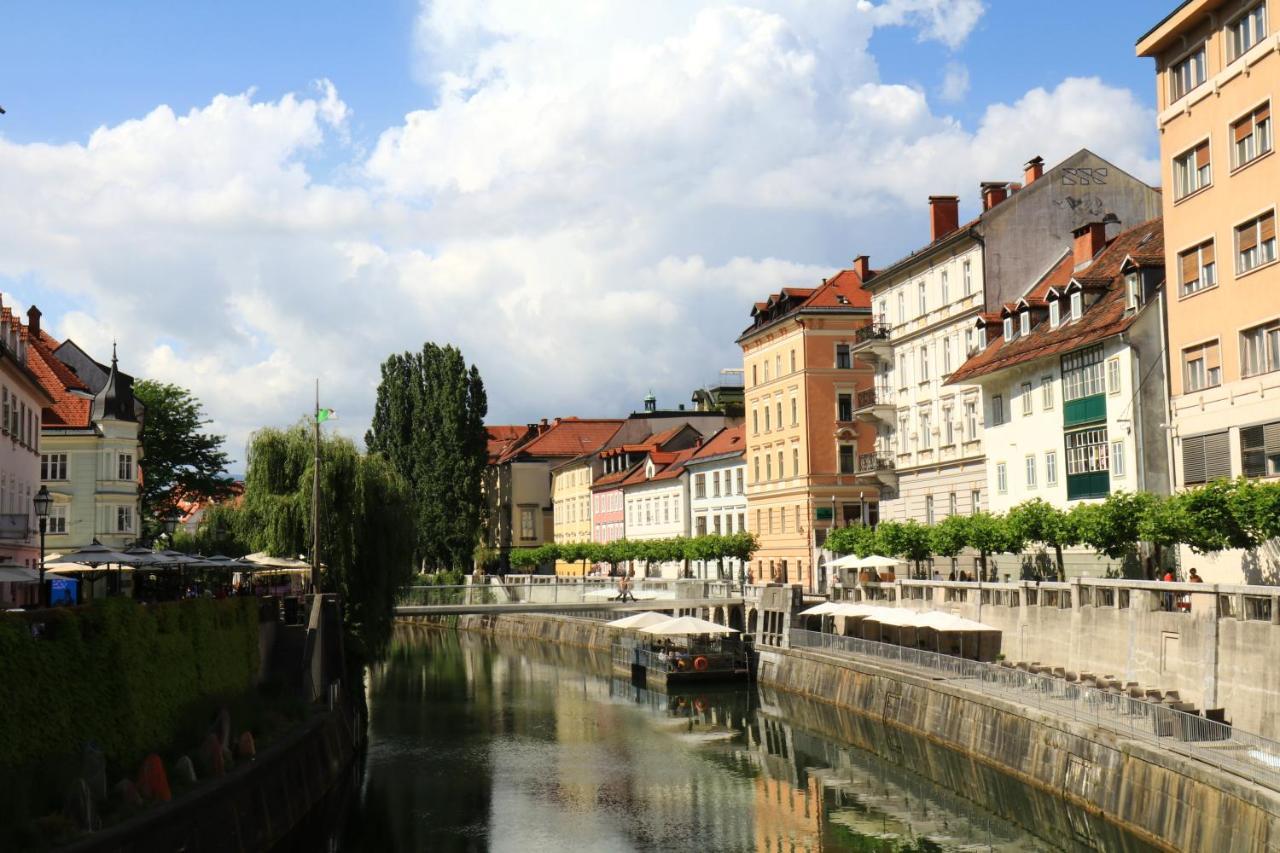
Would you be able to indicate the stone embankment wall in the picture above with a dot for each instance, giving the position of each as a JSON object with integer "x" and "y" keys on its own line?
{"x": 1162, "y": 798}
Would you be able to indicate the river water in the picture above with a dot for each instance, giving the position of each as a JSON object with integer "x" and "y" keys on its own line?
{"x": 482, "y": 744}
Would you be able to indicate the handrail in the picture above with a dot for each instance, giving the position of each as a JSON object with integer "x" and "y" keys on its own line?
{"x": 1221, "y": 745}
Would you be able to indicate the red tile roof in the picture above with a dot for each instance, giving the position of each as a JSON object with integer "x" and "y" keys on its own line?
{"x": 502, "y": 437}
{"x": 1144, "y": 245}
{"x": 69, "y": 410}
{"x": 567, "y": 437}
{"x": 842, "y": 290}
{"x": 727, "y": 440}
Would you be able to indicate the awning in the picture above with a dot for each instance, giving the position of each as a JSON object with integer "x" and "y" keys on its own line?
{"x": 18, "y": 574}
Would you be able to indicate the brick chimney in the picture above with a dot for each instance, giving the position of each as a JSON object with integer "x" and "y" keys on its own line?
{"x": 33, "y": 321}
{"x": 862, "y": 266}
{"x": 944, "y": 215}
{"x": 1089, "y": 240}
{"x": 1033, "y": 170}
{"x": 993, "y": 192}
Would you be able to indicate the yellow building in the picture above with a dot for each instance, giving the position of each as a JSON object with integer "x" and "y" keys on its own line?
{"x": 1217, "y": 70}
{"x": 809, "y": 466}
{"x": 571, "y": 503}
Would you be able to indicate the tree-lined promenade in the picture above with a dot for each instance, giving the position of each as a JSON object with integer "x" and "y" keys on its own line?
{"x": 712, "y": 548}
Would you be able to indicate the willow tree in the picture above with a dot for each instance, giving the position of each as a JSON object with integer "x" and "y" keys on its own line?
{"x": 365, "y": 521}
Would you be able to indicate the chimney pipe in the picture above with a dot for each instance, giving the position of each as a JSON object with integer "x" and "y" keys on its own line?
{"x": 862, "y": 267}
{"x": 1089, "y": 240}
{"x": 944, "y": 215}
{"x": 1033, "y": 170}
{"x": 993, "y": 192}
{"x": 33, "y": 321}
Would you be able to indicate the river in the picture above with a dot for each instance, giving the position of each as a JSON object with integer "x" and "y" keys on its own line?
{"x": 478, "y": 744}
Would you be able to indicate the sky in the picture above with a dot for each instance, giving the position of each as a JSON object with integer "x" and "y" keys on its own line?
{"x": 585, "y": 197}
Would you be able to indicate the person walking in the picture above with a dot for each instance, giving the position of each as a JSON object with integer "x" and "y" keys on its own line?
{"x": 1194, "y": 577}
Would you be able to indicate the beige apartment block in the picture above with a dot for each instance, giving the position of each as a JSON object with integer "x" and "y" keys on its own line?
{"x": 571, "y": 507}
{"x": 1217, "y": 78}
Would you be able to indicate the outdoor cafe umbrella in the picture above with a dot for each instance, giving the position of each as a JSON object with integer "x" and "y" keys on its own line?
{"x": 826, "y": 608}
{"x": 96, "y": 554}
{"x": 687, "y": 625}
{"x": 643, "y": 619}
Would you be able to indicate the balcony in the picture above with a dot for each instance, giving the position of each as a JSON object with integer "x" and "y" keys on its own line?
{"x": 871, "y": 343}
{"x": 874, "y": 405}
{"x": 877, "y": 468}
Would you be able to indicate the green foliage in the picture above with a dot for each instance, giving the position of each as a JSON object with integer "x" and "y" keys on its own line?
{"x": 118, "y": 673}
{"x": 1219, "y": 516}
{"x": 428, "y": 422}
{"x": 1112, "y": 527}
{"x": 1039, "y": 521}
{"x": 854, "y": 539}
{"x": 217, "y": 534}
{"x": 366, "y": 536}
{"x": 179, "y": 459}
{"x": 950, "y": 536}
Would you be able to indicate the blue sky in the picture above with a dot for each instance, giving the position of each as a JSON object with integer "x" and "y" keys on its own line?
{"x": 586, "y": 198}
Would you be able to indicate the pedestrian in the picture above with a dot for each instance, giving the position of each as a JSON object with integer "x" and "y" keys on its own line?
{"x": 1168, "y": 596}
{"x": 1194, "y": 577}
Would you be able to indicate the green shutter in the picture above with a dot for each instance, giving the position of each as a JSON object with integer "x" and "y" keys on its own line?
{"x": 1095, "y": 484}
{"x": 1085, "y": 410}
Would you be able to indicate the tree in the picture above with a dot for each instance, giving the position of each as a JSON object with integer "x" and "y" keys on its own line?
{"x": 1163, "y": 523}
{"x": 989, "y": 534}
{"x": 1039, "y": 521}
{"x": 1112, "y": 527}
{"x": 950, "y": 536}
{"x": 1218, "y": 516}
{"x": 854, "y": 539}
{"x": 428, "y": 422}
{"x": 365, "y": 516}
{"x": 179, "y": 458}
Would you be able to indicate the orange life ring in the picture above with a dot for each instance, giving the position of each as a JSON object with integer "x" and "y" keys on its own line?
{"x": 700, "y": 663}
{"x": 682, "y": 663}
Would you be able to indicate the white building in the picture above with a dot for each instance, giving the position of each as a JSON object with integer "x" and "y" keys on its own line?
{"x": 1074, "y": 383}
{"x": 656, "y": 502}
{"x": 718, "y": 498}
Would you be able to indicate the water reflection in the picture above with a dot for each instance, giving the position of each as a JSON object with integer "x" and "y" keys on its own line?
{"x": 477, "y": 744}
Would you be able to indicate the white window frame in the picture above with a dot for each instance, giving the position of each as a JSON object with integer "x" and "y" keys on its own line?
{"x": 1082, "y": 374}
{"x": 1263, "y": 354}
{"x": 1205, "y": 377}
{"x": 926, "y": 431}
{"x": 1117, "y": 458}
{"x": 1259, "y": 140}
{"x": 1008, "y": 329}
{"x": 1077, "y": 305}
{"x": 124, "y": 519}
{"x": 1046, "y": 393}
{"x": 124, "y": 467}
{"x": 1113, "y": 375}
{"x": 997, "y": 409}
{"x": 924, "y": 363}
{"x": 968, "y": 278}
{"x": 1087, "y": 451}
{"x": 1051, "y": 467}
{"x": 1206, "y": 273}
{"x": 922, "y": 292}
{"x": 946, "y": 356}
{"x": 1262, "y": 253}
{"x": 1002, "y": 479}
{"x": 946, "y": 287}
{"x": 1189, "y": 178}
{"x": 1055, "y": 314}
{"x": 971, "y": 420}
{"x": 1029, "y": 466}
{"x": 57, "y": 522}
{"x": 1024, "y": 323}
{"x": 1245, "y": 31}
{"x": 1188, "y": 73}
{"x": 1026, "y": 399}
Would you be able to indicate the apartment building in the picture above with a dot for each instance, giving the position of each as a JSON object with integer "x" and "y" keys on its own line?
{"x": 1217, "y": 75}
{"x": 718, "y": 493}
{"x": 930, "y": 454}
{"x": 803, "y": 451}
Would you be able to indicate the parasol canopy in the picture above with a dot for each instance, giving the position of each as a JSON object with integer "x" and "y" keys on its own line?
{"x": 686, "y": 626}
{"x": 645, "y": 619}
{"x": 97, "y": 555}
{"x": 826, "y": 608}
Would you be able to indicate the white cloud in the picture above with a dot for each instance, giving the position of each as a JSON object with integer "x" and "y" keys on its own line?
{"x": 955, "y": 82}
{"x": 589, "y": 209}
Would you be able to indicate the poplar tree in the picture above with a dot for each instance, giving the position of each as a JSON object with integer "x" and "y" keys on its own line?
{"x": 428, "y": 423}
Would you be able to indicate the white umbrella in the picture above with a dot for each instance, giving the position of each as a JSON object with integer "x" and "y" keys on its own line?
{"x": 644, "y": 619}
{"x": 826, "y": 608}
{"x": 939, "y": 621}
{"x": 13, "y": 573}
{"x": 687, "y": 625}
{"x": 848, "y": 561}
{"x": 875, "y": 561}
{"x": 894, "y": 616}
{"x": 854, "y": 610}
{"x": 261, "y": 558}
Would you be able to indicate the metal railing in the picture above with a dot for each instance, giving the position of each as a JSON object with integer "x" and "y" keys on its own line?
{"x": 1218, "y": 744}
{"x": 869, "y": 397}
{"x": 869, "y": 463}
{"x": 544, "y": 590}
{"x": 871, "y": 332}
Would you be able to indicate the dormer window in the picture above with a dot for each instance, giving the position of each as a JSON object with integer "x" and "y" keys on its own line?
{"x": 1077, "y": 305}
{"x": 1055, "y": 314}
{"x": 1008, "y": 329}
{"x": 1133, "y": 292}
{"x": 1024, "y": 323}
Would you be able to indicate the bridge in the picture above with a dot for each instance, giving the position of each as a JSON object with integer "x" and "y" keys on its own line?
{"x": 720, "y": 601}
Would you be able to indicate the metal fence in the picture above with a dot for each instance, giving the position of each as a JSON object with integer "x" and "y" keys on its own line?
{"x": 545, "y": 590}
{"x": 1219, "y": 744}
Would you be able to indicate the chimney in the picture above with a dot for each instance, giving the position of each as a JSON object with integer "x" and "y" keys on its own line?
{"x": 944, "y": 215}
{"x": 1089, "y": 240}
{"x": 862, "y": 267}
{"x": 1033, "y": 170}
{"x": 33, "y": 321}
{"x": 993, "y": 192}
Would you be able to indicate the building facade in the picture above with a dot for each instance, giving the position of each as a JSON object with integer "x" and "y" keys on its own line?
{"x": 1217, "y": 66}
{"x": 1074, "y": 383}
{"x": 802, "y": 459}
{"x": 929, "y": 431}
{"x": 718, "y": 493}
{"x": 655, "y": 499}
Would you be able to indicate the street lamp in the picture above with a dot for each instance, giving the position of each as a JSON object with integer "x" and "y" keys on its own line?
{"x": 43, "y": 500}
{"x": 170, "y": 523}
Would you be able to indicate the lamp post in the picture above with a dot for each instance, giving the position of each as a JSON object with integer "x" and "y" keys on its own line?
{"x": 42, "y": 501}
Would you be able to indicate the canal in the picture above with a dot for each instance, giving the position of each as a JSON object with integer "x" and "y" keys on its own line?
{"x": 482, "y": 744}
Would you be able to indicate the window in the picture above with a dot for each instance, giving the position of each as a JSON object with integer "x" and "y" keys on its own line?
{"x": 742, "y": 521}
{"x": 1030, "y": 465}
{"x": 756, "y": 464}
{"x": 1117, "y": 458}
{"x": 1113, "y": 375}
{"x": 1201, "y": 367}
{"x": 902, "y": 434}
{"x": 740, "y": 476}
{"x": 5, "y": 422}
{"x": 57, "y": 522}
{"x": 53, "y": 466}
{"x": 1252, "y": 136}
{"x": 928, "y": 509}
{"x": 1024, "y": 323}
{"x": 997, "y": 409}
{"x": 700, "y": 525}
{"x": 846, "y": 459}
{"x": 1002, "y": 479}
{"x": 754, "y": 379}
{"x": 1206, "y": 457}
{"x": 975, "y": 501}
{"x": 1087, "y": 451}
{"x": 971, "y": 420}
{"x": 842, "y": 357}
{"x": 951, "y": 504}
{"x": 1197, "y": 269}
{"x": 1026, "y": 398}
{"x": 1082, "y": 374}
{"x": 1246, "y": 31}
{"x": 946, "y": 288}
{"x": 124, "y": 467}
{"x": 781, "y": 471}
{"x": 1132, "y": 293}
{"x": 793, "y": 361}
{"x": 795, "y": 462}
{"x": 1191, "y": 171}
{"x": 1051, "y": 468}
{"x": 124, "y": 519}
{"x": 1260, "y": 349}
{"x": 902, "y": 370}
{"x": 968, "y": 279}
{"x": 768, "y": 467}
{"x": 1186, "y": 74}
{"x": 924, "y": 363}
{"x": 902, "y": 307}
{"x": 946, "y": 356}
{"x": 844, "y": 407}
{"x": 1077, "y": 305}
{"x": 920, "y": 292}
{"x": 766, "y": 418}
{"x": 1260, "y": 450}
{"x": 766, "y": 370}
{"x": 948, "y": 427}
{"x": 1256, "y": 242}
{"x": 755, "y": 421}
{"x": 700, "y": 486}
{"x": 969, "y": 347}
{"x": 777, "y": 365}
{"x": 1008, "y": 328}
{"x": 779, "y": 404}
{"x": 926, "y": 434}
{"x": 1046, "y": 392}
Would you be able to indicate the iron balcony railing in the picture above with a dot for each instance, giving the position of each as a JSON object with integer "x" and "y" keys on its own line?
{"x": 1221, "y": 745}
{"x": 869, "y": 397}
{"x": 870, "y": 333}
{"x": 870, "y": 463}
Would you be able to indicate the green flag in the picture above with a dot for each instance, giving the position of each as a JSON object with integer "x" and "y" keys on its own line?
{"x": 323, "y": 415}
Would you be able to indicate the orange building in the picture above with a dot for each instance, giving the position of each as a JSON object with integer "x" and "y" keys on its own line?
{"x": 803, "y": 450}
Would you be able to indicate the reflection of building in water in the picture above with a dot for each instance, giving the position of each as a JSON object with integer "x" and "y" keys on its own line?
{"x": 788, "y": 804}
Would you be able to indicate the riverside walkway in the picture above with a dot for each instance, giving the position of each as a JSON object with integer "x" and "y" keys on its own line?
{"x": 577, "y": 596}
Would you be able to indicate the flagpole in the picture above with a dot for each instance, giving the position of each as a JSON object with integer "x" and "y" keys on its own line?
{"x": 315, "y": 502}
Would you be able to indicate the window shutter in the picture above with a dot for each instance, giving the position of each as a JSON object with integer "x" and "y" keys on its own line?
{"x": 1262, "y": 114}
{"x": 1206, "y": 253}
{"x": 1267, "y": 227}
{"x": 1247, "y": 235}
{"x": 1190, "y": 269}
{"x": 1253, "y": 462}
{"x": 1211, "y": 357}
{"x": 1243, "y": 129}
{"x": 1271, "y": 437}
{"x": 1202, "y": 156}
{"x": 1217, "y": 456}
{"x": 1193, "y": 460}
